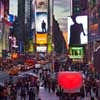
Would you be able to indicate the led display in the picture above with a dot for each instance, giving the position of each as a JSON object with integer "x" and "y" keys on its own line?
{"x": 41, "y": 22}
{"x": 76, "y": 52}
{"x": 77, "y": 30}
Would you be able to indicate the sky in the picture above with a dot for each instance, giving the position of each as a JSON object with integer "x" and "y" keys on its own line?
{"x": 62, "y": 9}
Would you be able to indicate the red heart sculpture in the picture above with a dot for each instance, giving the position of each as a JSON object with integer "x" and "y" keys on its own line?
{"x": 70, "y": 81}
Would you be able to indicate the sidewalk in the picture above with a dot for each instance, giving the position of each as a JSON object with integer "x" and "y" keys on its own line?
{"x": 45, "y": 95}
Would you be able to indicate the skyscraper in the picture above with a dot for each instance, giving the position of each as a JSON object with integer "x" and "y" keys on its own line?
{"x": 23, "y": 22}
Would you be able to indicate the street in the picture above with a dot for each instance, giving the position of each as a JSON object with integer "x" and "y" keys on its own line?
{"x": 45, "y": 95}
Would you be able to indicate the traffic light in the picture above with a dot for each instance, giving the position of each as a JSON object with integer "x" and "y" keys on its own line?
{"x": 4, "y": 53}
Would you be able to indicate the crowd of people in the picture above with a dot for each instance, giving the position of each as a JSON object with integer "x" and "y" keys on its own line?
{"x": 29, "y": 87}
{"x": 24, "y": 87}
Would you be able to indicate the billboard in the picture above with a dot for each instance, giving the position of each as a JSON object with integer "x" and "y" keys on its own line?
{"x": 13, "y": 7}
{"x": 76, "y": 52}
{"x": 41, "y": 48}
{"x": 41, "y": 22}
{"x": 94, "y": 19}
{"x": 77, "y": 30}
{"x": 42, "y": 5}
{"x": 41, "y": 38}
{"x": 11, "y": 18}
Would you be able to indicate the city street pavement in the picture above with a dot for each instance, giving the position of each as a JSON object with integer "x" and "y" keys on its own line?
{"x": 45, "y": 95}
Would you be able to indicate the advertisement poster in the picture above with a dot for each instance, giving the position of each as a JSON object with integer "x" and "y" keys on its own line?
{"x": 41, "y": 38}
{"x": 77, "y": 30}
{"x": 42, "y": 5}
{"x": 41, "y": 48}
{"x": 76, "y": 52}
{"x": 41, "y": 22}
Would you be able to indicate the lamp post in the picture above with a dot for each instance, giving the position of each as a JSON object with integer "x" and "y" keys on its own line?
{"x": 53, "y": 59}
{"x": 1, "y": 37}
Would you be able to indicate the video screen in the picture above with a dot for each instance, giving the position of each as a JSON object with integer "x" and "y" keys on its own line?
{"x": 41, "y": 22}
{"x": 41, "y": 38}
{"x": 41, "y": 48}
{"x": 76, "y": 52}
{"x": 77, "y": 30}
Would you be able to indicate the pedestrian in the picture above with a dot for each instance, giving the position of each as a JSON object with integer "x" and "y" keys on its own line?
{"x": 92, "y": 94}
{"x": 53, "y": 85}
{"x": 31, "y": 94}
{"x": 37, "y": 86}
{"x": 23, "y": 93}
{"x": 39, "y": 99}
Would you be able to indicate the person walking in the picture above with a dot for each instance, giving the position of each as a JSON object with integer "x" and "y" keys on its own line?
{"x": 23, "y": 93}
{"x": 31, "y": 94}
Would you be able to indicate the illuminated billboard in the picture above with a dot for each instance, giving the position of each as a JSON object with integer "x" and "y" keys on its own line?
{"x": 42, "y": 5}
{"x": 41, "y": 48}
{"x": 76, "y": 52}
{"x": 41, "y": 22}
{"x": 77, "y": 30}
{"x": 41, "y": 38}
{"x": 13, "y": 7}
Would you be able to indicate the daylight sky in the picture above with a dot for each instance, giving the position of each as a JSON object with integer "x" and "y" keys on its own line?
{"x": 62, "y": 8}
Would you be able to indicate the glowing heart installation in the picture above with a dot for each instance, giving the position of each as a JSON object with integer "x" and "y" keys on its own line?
{"x": 70, "y": 81}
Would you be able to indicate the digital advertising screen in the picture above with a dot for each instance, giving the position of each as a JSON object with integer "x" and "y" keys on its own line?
{"x": 76, "y": 52}
{"x": 41, "y": 38}
{"x": 77, "y": 30}
{"x": 41, "y": 22}
{"x": 41, "y": 48}
{"x": 42, "y": 5}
